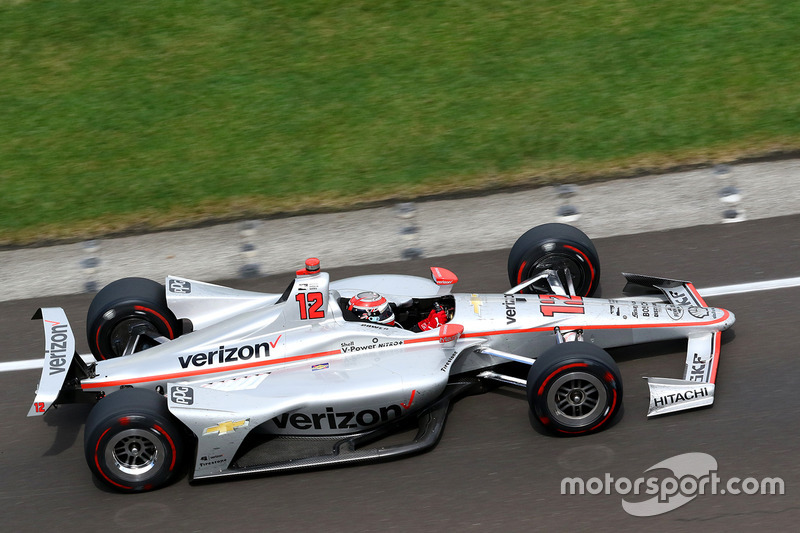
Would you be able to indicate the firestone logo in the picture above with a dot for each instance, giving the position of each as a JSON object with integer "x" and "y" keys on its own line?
{"x": 692, "y": 475}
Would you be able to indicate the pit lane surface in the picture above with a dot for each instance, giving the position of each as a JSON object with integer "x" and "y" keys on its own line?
{"x": 491, "y": 471}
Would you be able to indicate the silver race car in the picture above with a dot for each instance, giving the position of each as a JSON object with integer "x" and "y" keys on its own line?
{"x": 235, "y": 382}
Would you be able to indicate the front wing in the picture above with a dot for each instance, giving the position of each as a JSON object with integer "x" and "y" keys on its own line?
{"x": 696, "y": 389}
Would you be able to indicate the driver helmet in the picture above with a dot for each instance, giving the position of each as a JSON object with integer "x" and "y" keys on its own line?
{"x": 372, "y": 307}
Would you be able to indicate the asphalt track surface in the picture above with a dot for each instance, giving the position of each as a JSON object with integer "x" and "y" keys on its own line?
{"x": 492, "y": 470}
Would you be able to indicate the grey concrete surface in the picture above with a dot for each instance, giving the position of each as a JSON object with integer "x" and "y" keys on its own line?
{"x": 438, "y": 228}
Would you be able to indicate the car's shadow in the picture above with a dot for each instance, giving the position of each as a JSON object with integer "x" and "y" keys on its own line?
{"x": 68, "y": 421}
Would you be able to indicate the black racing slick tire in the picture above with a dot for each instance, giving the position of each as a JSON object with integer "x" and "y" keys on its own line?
{"x": 132, "y": 443}
{"x": 555, "y": 246}
{"x": 123, "y": 306}
{"x": 575, "y": 388}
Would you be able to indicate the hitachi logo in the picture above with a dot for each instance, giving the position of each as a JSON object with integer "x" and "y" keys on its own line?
{"x": 669, "y": 399}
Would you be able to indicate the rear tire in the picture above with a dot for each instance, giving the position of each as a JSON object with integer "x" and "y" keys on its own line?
{"x": 555, "y": 246}
{"x": 132, "y": 442}
{"x": 575, "y": 388}
{"x": 123, "y": 305}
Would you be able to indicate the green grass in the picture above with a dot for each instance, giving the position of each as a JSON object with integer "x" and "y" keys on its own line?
{"x": 156, "y": 113}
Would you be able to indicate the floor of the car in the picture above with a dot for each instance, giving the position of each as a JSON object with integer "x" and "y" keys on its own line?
{"x": 282, "y": 449}
{"x": 413, "y": 434}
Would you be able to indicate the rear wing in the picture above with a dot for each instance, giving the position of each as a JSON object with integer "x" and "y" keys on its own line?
{"x": 696, "y": 389}
{"x": 61, "y": 361}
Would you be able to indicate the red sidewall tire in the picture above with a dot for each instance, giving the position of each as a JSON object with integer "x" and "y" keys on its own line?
{"x": 123, "y": 301}
{"x": 132, "y": 443}
{"x": 575, "y": 388}
{"x": 552, "y": 246}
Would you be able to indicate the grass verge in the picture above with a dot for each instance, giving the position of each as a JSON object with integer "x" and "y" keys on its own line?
{"x": 152, "y": 114}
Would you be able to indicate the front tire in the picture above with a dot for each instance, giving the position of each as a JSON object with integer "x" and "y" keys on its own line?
{"x": 132, "y": 443}
{"x": 121, "y": 308}
{"x": 575, "y": 388}
{"x": 555, "y": 247}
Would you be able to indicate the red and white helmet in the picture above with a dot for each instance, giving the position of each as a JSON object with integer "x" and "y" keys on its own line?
{"x": 371, "y": 306}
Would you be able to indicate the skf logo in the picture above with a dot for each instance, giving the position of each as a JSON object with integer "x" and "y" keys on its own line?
{"x": 680, "y": 297}
{"x": 182, "y": 395}
{"x": 223, "y": 428}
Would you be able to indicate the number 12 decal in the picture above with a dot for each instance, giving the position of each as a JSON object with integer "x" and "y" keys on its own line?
{"x": 550, "y": 305}
{"x": 310, "y": 305}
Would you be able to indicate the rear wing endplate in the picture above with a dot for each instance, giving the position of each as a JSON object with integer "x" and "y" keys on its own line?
{"x": 58, "y": 357}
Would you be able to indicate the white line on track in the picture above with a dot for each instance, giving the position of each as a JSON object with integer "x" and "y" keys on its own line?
{"x": 741, "y": 288}
{"x": 21, "y": 365}
{"x": 32, "y": 364}
{"x": 751, "y": 287}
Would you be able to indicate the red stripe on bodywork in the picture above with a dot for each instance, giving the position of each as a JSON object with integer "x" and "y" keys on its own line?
{"x": 717, "y": 343}
{"x": 190, "y": 373}
{"x": 424, "y": 339}
{"x": 724, "y": 317}
{"x": 696, "y": 294}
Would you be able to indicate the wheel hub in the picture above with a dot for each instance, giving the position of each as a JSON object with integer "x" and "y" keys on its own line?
{"x": 577, "y": 398}
{"x": 131, "y": 328}
{"x": 135, "y": 453}
{"x": 562, "y": 264}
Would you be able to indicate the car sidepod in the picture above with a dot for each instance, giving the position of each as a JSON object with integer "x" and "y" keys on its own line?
{"x": 323, "y": 410}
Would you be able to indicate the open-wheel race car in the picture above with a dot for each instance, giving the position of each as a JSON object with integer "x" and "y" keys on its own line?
{"x": 231, "y": 382}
